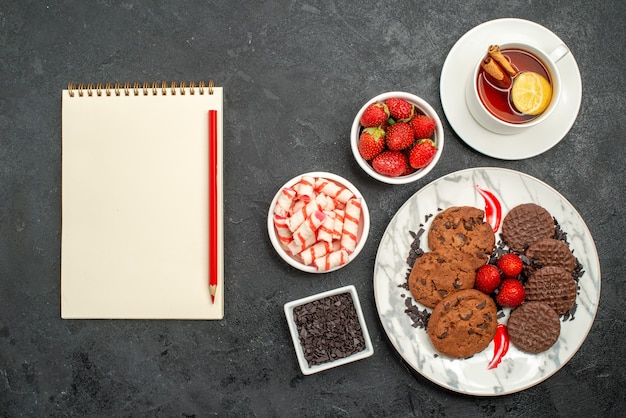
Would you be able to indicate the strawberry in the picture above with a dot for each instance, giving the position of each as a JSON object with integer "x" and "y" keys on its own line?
{"x": 399, "y": 136}
{"x": 409, "y": 170}
{"x": 400, "y": 109}
{"x": 423, "y": 126}
{"x": 371, "y": 142}
{"x": 374, "y": 115}
{"x": 510, "y": 264}
{"x": 422, "y": 153}
{"x": 511, "y": 293}
{"x": 487, "y": 278}
{"x": 390, "y": 163}
{"x": 385, "y": 125}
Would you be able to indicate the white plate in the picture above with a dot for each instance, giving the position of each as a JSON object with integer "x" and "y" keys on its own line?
{"x": 518, "y": 370}
{"x": 458, "y": 67}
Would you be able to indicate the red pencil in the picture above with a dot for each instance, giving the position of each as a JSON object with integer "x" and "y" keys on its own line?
{"x": 213, "y": 232}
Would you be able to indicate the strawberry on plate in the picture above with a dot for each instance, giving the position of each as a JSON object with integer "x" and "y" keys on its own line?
{"x": 374, "y": 115}
{"x": 423, "y": 126}
{"x": 510, "y": 264}
{"x": 399, "y": 136}
{"x": 371, "y": 142}
{"x": 487, "y": 278}
{"x": 511, "y": 293}
{"x": 422, "y": 153}
{"x": 390, "y": 163}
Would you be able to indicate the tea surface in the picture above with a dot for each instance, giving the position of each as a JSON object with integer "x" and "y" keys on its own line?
{"x": 496, "y": 99}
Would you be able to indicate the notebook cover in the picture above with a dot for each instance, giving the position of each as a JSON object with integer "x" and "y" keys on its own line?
{"x": 134, "y": 241}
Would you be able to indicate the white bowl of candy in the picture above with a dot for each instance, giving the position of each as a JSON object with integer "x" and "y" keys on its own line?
{"x": 318, "y": 222}
{"x": 397, "y": 137}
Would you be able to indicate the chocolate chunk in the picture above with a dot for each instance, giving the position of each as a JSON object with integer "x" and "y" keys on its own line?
{"x": 329, "y": 329}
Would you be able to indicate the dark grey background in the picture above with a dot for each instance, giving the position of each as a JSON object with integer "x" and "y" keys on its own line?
{"x": 294, "y": 73}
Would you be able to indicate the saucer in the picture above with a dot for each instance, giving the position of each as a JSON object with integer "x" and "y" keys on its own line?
{"x": 533, "y": 141}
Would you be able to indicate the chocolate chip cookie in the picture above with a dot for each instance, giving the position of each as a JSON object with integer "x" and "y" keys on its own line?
{"x": 463, "y": 323}
{"x": 463, "y": 228}
{"x": 436, "y": 274}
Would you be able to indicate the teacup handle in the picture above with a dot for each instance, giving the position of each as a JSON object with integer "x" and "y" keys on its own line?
{"x": 558, "y": 53}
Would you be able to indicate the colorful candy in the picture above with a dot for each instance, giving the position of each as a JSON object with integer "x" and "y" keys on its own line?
{"x": 282, "y": 230}
{"x": 317, "y": 221}
{"x": 351, "y": 224}
{"x": 318, "y": 250}
{"x": 306, "y": 234}
{"x": 285, "y": 201}
{"x": 304, "y": 190}
{"x": 325, "y": 232}
{"x": 296, "y": 219}
{"x": 333, "y": 190}
{"x": 334, "y": 259}
{"x": 338, "y": 224}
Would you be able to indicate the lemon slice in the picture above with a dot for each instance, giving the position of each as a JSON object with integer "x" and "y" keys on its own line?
{"x": 531, "y": 93}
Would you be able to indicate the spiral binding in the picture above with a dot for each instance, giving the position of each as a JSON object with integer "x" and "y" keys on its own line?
{"x": 136, "y": 89}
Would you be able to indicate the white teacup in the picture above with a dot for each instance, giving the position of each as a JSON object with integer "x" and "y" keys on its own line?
{"x": 493, "y": 123}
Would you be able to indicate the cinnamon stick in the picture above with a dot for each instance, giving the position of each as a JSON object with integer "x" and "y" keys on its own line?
{"x": 495, "y": 53}
{"x": 495, "y": 72}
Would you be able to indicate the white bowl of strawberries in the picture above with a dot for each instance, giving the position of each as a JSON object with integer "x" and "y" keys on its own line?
{"x": 397, "y": 137}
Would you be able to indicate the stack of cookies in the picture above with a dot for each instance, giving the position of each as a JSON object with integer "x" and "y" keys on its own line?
{"x": 550, "y": 287}
{"x": 464, "y": 320}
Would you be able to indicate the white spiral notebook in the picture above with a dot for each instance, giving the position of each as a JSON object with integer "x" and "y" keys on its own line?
{"x": 137, "y": 171}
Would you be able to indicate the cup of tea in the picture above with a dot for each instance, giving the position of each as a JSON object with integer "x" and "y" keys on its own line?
{"x": 514, "y": 86}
